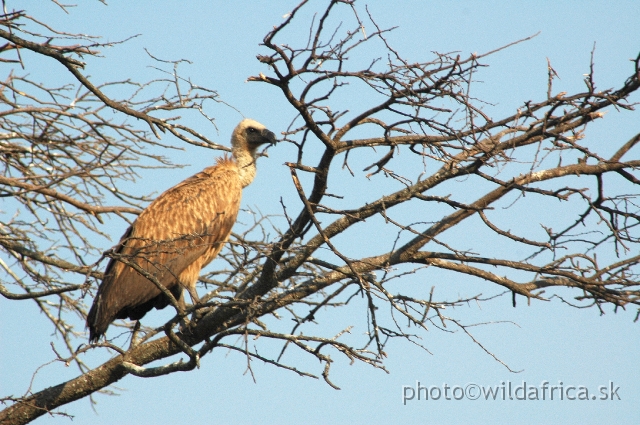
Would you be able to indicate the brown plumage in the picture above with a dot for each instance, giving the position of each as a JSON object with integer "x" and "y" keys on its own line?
{"x": 177, "y": 235}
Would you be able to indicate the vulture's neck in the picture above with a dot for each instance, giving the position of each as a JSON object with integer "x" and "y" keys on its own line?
{"x": 246, "y": 162}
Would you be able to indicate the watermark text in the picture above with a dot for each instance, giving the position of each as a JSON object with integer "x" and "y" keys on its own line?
{"x": 507, "y": 390}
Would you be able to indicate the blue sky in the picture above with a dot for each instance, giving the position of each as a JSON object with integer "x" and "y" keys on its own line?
{"x": 547, "y": 341}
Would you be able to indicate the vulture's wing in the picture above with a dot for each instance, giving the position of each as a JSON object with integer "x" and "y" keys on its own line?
{"x": 186, "y": 224}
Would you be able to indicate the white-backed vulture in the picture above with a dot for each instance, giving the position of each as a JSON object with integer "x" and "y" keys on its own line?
{"x": 178, "y": 234}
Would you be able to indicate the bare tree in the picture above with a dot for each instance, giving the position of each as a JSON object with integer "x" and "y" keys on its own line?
{"x": 65, "y": 155}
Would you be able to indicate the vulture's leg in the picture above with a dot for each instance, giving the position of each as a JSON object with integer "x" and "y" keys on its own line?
{"x": 184, "y": 322}
{"x": 134, "y": 335}
{"x": 195, "y": 299}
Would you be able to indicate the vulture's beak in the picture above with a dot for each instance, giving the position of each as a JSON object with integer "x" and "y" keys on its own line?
{"x": 269, "y": 137}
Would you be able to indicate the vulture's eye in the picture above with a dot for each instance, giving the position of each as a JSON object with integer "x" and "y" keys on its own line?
{"x": 251, "y": 130}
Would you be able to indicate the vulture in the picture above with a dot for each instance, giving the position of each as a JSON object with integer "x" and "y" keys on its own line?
{"x": 178, "y": 234}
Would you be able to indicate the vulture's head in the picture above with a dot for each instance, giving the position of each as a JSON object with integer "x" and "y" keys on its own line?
{"x": 246, "y": 138}
{"x": 249, "y": 135}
